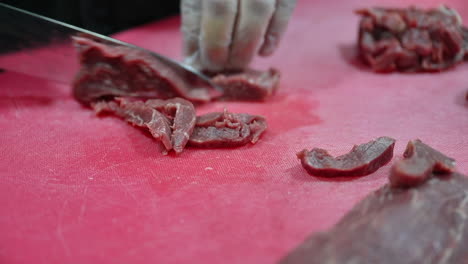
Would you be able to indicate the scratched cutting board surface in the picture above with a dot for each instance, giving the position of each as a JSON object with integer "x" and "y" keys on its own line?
{"x": 75, "y": 188}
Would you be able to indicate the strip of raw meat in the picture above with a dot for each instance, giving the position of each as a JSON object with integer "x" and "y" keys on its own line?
{"x": 139, "y": 114}
{"x": 250, "y": 85}
{"x": 216, "y": 130}
{"x": 182, "y": 114}
{"x": 109, "y": 71}
{"x": 419, "y": 163}
{"x": 361, "y": 160}
{"x": 118, "y": 71}
{"x": 427, "y": 223}
{"x": 411, "y": 39}
{"x": 174, "y": 122}
{"x": 171, "y": 121}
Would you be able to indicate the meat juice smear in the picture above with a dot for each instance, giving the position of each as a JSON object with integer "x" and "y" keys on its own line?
{"x": 411, "y": 39}
{"x": 361, "y": 160}
{"x": 406, "y": 221}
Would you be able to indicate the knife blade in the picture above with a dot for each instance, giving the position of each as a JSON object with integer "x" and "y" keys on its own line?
{"x": 29, "y": 40}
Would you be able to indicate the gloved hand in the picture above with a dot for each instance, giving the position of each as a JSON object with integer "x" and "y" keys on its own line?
{"x": 227, "y": 34}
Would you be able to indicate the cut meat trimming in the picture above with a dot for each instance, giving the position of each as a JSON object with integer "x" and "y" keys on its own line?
{"x": 361, "y": 160}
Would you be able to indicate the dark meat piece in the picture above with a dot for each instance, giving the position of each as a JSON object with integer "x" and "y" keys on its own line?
{"x": 420, "y": 162}
{"x": 411, "y": 39}
{"x": 362, "y": 160}
{"x": 116, "y": 71}
{"x": 249, "y": 86}
{"x": 226, "y": 129}
{"x": 171, "y": 121}
{"x": 427, "y": 223}
{"x": 113, "y": 71}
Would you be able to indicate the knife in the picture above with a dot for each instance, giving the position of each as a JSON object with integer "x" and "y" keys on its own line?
{"x": 42, "y": 47}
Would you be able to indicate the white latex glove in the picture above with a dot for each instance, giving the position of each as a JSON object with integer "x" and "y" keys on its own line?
{"x": 227, "y": 34}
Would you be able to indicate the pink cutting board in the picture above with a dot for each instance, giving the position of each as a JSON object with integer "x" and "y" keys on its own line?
{"x": 75, "y": 188}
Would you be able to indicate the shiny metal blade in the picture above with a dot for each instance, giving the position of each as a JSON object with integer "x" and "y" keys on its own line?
{"x": 39, "y": 46}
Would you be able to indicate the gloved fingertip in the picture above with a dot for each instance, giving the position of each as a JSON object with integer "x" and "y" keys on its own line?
{"x": 268, "y": 47}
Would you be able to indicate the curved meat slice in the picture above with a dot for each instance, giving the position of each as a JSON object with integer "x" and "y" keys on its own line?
{"x": 250, "y": 85}
{"x": 217, "y": 130}
{"x": 419, "y": 163}
{"x": 182, "y": 114}
{"x": 139, "y": 114}
{"x": 426, "y": 223}
{"x": 362, "y": 160}
{"x": 411, "y": 39}
{"x": 113, "y": 71}
{"x": 171, "y": 121}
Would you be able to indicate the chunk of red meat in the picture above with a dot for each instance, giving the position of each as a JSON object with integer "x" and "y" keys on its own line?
{"x": 361, "y": 160}
{"x": 425, "y": 223}
{"x": 411, "y": 39}
{"x": 109, "y": 71}
{"x": 226, "y": 129}
{"x": 250, "y": 85}
{"x": 419, "y": 163}
{"x": 119, "y": 71}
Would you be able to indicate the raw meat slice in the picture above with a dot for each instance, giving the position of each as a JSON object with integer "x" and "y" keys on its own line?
{"x": 411, "y": 39}
{"x": 174, "y": 122}
{"x": 182, "y": 114}
{"x": 361, "y": 160}
{"x": 420, "y": 162}
{"x": 171, "y": 121}
{"x": 215, "y": 130}
{"x": 109, "y": 71}
{"x": 248, "y": 86}
{"x": 426, "y": 223}
{"x": 141, "y": 115}
{"x": 119, "y": 71}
